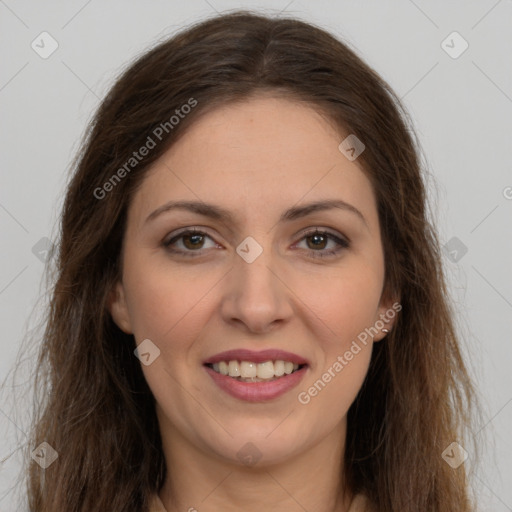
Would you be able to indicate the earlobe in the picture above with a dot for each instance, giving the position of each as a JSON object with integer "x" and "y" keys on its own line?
{"x": 118, "y": 308}
{"x": 386, "y": 319}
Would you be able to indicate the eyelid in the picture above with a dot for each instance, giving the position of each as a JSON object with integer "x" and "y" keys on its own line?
{"x": 305, "y": 232}
{"x": 323, "y": 231}
{"x": 341, "y": 240}
{"x": 189, "y": 230}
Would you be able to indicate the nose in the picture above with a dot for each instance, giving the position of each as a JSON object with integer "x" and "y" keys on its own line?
{"x": 256, "y": 296}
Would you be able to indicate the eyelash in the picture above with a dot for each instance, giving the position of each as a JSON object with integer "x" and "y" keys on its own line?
{"x": 342, "y": 243}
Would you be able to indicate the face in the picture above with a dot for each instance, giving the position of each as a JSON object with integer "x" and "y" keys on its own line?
{"x": 255, "y": 280}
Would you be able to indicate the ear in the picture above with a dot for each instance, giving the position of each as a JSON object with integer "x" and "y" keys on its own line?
{"x": 118, "y": 308}
{"x": 386, "y": 317}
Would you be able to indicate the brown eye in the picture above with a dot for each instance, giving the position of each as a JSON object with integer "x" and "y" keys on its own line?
{"x": 193, "y": 241}
{"x": 187, "y": 242}
{"x": 317, "y": 242}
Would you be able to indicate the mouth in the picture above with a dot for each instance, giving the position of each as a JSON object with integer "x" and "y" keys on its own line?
{"x": 256, "y": 376}
{"x": 250, "y": 371}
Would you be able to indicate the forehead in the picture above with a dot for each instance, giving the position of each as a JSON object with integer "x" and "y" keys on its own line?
{"x": 253, "y": 156}
{"x": 268, "y": 134}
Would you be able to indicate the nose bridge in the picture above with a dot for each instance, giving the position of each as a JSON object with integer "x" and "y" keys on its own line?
{"x": 254, "y": 276}
{"x": 255, "y": 295}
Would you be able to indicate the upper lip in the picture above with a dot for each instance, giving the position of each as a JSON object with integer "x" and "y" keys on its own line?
{"x": 256, "y": 357}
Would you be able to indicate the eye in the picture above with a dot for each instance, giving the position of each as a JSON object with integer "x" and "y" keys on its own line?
{"x": 317, "y": 241}
{"x": 191, "y": 240}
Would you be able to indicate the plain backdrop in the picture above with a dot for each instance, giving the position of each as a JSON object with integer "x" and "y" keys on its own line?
{"x": 457, "y": 88}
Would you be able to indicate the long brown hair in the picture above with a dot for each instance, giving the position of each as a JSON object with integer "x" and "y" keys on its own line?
{"x": 98, "y": 412}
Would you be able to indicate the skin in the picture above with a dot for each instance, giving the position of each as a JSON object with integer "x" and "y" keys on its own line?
{"x": 256, "y": 158}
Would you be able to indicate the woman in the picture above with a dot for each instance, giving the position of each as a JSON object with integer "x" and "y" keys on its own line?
{"x": 250, "y": 307}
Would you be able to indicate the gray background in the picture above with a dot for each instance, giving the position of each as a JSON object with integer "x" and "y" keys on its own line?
{"x": 461, "y": 108}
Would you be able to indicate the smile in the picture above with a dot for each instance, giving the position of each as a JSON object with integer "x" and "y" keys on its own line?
{"x": 256, "y": 376}
{"x": 250, "y": 371}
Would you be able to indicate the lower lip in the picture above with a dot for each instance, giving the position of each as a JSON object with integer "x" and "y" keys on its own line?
{"x": 257, "y": 391}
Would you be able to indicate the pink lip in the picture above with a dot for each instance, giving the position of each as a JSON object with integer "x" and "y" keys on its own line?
{"x": 257, "y": 391}
{"x": 256, "y": 357}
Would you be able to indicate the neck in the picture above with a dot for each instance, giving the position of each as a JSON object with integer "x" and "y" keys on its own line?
{"x": 312, "y": 480}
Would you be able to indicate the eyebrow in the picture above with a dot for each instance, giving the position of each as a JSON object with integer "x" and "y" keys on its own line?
{"x": 221, "y": 214}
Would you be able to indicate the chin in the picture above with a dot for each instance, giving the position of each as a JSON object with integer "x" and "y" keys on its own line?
{"x": 259, "y": 446}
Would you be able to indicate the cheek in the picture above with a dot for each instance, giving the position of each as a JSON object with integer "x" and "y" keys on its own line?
{"x": 161, "y": 299}
{"x": 346, "y": 300}
{"x": 347, "y": 308}
{"x": 328, "y": 395}
{"x": 347, "y": 304}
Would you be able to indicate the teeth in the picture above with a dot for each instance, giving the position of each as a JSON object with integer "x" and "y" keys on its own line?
{"x": 266, "y": 370}
{"x": 223, "y": 367}
{"x": 254, "y": 372}
{"x": 234, "y": 369}
{"x": 248, "y": 369}
{"x": 279, "y": 368}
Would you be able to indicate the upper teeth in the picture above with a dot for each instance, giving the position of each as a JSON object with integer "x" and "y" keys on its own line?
{"x": 248, "y": 369}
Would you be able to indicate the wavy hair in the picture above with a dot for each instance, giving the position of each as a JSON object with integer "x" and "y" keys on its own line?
{"x": 97, "y": 410}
